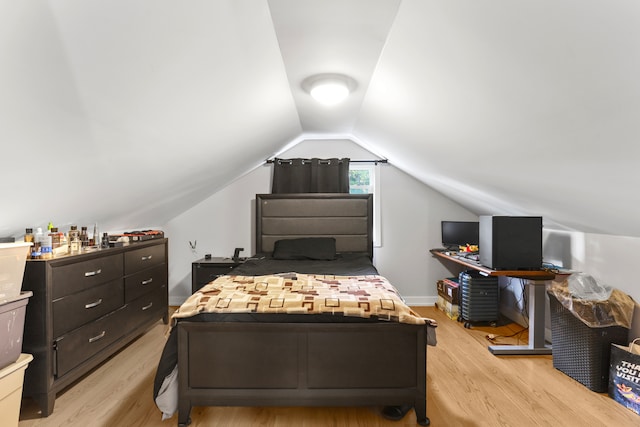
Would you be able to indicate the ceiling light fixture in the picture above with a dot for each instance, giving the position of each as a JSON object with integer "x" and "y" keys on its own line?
{"x": 329, "y": 89}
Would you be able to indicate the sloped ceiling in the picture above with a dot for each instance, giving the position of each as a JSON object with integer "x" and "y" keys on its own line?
{"x": 128, "y": 112}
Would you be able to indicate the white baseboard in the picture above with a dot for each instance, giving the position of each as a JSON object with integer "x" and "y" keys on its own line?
{"x": 420, "y": 301}
{"x": 177, "y": 300}
{"x": 514, "y": 315}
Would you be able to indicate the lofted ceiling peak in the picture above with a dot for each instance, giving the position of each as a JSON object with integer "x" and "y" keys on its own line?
{"x": 331, "y": 37}
{"x": 129, "y": 112}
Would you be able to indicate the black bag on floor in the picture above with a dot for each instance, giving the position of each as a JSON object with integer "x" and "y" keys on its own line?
{"x": 624, "y": 375}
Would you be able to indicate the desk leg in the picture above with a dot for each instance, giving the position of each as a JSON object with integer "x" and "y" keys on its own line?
{"x": 537, "y": 302}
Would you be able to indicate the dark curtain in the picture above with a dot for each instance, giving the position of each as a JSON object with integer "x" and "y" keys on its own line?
{"x": 310, "y": 176}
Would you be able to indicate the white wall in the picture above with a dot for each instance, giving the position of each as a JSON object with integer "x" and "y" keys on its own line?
{"x": 410, "y": 212}
{"x": 411, "y": 215}
{"x": 216, "y": 226}
{"x": 609, "y": 259}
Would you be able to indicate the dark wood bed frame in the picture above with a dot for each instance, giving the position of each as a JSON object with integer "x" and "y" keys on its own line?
{"x": 304, "y": 364}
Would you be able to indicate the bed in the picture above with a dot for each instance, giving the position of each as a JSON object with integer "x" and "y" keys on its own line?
{"x": 287, "y": 355}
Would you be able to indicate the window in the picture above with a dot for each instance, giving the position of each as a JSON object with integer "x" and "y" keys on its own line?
{"x": 362, "y": 180}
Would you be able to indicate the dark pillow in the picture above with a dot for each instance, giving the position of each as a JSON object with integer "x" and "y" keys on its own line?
{"x": 320, "y": 248}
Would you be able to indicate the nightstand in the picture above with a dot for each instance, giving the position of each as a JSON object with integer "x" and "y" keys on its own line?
{"x": 205, "y": 270}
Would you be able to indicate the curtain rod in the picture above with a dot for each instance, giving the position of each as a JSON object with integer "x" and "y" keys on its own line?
{"x": 350, "y": 161}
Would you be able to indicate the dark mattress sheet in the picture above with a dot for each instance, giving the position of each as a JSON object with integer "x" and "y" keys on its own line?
{"x": 348, "y": 264}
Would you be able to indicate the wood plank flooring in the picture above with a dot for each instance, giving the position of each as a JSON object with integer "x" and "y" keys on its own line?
{"x": 466, "y": 386}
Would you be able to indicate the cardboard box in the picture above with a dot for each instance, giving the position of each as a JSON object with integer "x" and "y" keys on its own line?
{"x": 11, "y": 381}
{"x": 13, "y": 257}
{"x": 12, "y": 314}
{"x": 448, "y": 289}
{"x": 451, "y": 310}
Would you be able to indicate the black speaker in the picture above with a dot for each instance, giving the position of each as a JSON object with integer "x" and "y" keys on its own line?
{"x": 511, "y": 242}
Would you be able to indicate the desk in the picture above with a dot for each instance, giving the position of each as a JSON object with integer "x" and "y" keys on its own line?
{"x": 536, "y": 281}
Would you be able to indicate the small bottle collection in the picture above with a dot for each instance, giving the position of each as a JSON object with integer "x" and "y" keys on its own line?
{"x": 53, "y": 243}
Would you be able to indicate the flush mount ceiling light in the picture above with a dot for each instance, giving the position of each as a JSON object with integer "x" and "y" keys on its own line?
{"x": 329, "y": 89}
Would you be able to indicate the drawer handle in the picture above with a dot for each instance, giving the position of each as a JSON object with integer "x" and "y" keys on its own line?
{"x": 146, "y": 282}
{"x": 147, "y": 258}
{"x": 93, "y": 304}
{"x": 147, "y": 307}
{"x": 98, "y": 337}
{"x": 92, "y": 273}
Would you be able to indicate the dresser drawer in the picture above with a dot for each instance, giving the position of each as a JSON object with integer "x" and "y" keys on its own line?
{"x": 140, "y": 259}
{"x": 68, "y": 279}
{"x": 144, "y": 282}
{"x": 149, "y": 307}
{"x": 72, "y": 311}
{"x": 75, "y": 347}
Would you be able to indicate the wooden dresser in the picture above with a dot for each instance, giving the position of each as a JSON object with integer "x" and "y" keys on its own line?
{"x": 85, "y": 308}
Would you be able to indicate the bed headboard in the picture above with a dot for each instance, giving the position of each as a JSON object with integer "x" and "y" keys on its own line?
{"x": 346, "y": 217}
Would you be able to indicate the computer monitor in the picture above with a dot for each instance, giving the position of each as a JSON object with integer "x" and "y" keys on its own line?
{"x": 460, "y": 233}
{"x": 511, "y": 242}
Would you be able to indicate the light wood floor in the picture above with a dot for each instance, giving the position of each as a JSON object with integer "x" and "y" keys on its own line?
{"x": 466, "y": 386}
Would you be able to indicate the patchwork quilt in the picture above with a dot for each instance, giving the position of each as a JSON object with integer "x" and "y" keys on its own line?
{"x": 293, "y": 293}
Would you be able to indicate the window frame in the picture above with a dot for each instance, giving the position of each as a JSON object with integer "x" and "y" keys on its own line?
{"x": 374, "y": 175}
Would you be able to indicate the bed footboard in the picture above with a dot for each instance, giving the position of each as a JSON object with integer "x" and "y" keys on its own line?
{"x": 301, "y": 364}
